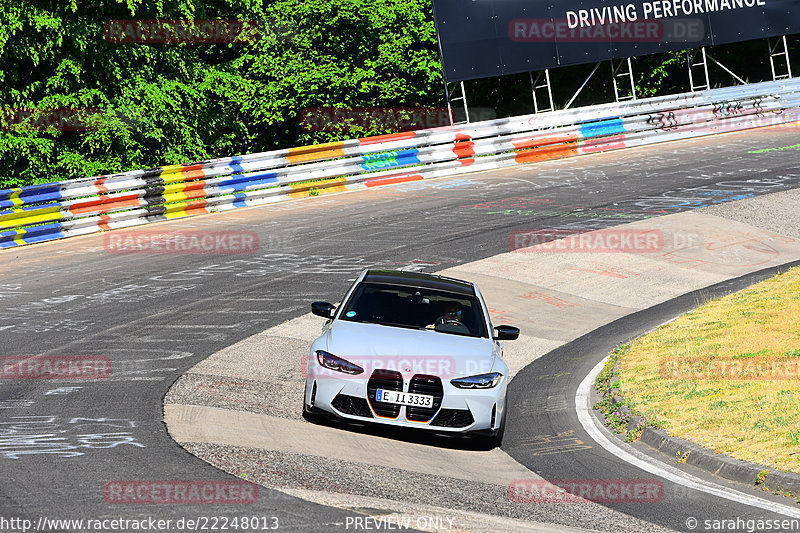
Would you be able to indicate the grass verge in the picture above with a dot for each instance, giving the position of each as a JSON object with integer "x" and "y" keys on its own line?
{"x": 725, "y": 376}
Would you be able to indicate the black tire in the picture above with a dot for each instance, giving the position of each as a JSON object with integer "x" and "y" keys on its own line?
{"x": 308, "y": 414}
{"x": 497, "y": 439}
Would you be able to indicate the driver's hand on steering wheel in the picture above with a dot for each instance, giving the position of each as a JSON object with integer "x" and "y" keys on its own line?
{"x": 452, "y": 314}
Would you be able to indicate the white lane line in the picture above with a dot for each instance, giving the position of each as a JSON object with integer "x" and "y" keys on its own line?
{"x": 641, "y": 460}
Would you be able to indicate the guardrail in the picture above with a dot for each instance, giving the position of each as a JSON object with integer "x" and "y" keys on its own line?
{"x": 62, "y": 209}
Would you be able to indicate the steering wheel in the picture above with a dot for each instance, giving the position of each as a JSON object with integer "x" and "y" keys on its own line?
{"x": 444, "y": 321}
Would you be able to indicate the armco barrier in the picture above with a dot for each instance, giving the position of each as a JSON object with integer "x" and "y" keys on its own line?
{"x": 62, "y": 209}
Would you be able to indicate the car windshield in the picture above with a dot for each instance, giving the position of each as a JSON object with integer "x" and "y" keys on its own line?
{"x": 416, "y": 308}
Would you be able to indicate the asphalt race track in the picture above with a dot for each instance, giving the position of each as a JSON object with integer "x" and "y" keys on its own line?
{"x": 156, "y": 315}
{"x": 567, "y": 364}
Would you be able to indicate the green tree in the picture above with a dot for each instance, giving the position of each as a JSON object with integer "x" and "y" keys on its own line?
{"x": 170, "y": 103}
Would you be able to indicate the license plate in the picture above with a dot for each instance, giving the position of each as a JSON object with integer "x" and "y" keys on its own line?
{"x": 404, "y": 398}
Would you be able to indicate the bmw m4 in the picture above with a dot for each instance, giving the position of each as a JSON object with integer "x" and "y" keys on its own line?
{"x": 413, "y": 350}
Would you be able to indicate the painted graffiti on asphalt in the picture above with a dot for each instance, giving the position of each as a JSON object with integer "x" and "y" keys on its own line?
{"x": 72, "y": 303}
{"x": 543, "y": 207}
{"x": 15, "y": 404}
{"x": 63, "y": 437}
{"x": 43, "y": 326}
{"x": 9, "y": 290}
{"x": 715, "y": 193}
{"x": 268, "y": 264}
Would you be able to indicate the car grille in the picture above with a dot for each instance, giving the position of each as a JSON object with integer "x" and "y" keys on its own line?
{"x": 453, "y": 418}
{"x": 430, "y": 385}
{"x": 351, "y": 405}
{"x": 387, "y": 380}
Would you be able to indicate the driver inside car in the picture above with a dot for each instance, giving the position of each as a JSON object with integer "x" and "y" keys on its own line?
{"x": 452, "y": 313}
{"x": 451, "y": 318}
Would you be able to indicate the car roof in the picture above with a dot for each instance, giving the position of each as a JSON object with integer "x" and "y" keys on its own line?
{"x": 419, "y": 279}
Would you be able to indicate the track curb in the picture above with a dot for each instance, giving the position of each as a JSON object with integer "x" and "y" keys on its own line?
{"x": 719, "y": 464}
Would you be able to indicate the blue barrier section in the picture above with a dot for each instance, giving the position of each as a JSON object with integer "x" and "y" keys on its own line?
{"x": 602, "y": 128}
{"x": 386, "y": 160}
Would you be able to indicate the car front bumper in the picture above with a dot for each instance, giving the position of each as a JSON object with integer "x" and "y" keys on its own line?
{"x": 460, "y": 411}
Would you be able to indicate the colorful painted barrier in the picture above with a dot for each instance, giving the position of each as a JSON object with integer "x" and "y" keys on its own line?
{"x": 62, "y": 209}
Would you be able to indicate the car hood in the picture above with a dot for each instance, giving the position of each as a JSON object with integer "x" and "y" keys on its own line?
{"x": 399, "y": 347}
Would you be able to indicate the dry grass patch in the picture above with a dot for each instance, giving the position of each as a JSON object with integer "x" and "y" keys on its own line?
{"x": 710, "y": 376}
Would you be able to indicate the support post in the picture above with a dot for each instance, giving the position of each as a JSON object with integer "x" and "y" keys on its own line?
{"x": 574, "y": 96}
{"x": 545, "y": 85}
{"x": 627, "y": 76}
{"x": 726, "y": 69}
{"x": 451, "y": 98}
{"x": 784, "y": 57}
{"x": 704, "y": 82}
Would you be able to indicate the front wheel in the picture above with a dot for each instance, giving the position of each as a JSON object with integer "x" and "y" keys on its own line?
{"x": 308, "y": 412}
{"x": 496, "y": 440}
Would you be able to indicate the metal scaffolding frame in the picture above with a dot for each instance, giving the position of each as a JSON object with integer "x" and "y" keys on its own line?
{"x": 615, "y": 73}
{"x": 574, "y": 96}
{"x": 451, "y": 98}
{"x": 703, "y": 62}
{"x": 545, "y": 85}
{"x": 628, "y": 75}
{"x": 697, "y": 61}
{"x": 726, "y": 69}
{"x": 690, "y": 57}
{"x": 773, "y": 54}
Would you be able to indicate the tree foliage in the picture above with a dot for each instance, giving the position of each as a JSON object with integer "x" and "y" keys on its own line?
{"x": 169, "y": 103}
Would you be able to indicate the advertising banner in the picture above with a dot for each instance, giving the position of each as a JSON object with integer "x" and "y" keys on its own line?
{"x": 485, "y": 38}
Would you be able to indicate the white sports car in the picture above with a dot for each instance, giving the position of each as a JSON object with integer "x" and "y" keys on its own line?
{"x": 410, "y": 349}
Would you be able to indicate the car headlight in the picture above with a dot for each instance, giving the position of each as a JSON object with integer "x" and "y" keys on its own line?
{"x": 331, "y": 362}
{"x": 482, "y": 381}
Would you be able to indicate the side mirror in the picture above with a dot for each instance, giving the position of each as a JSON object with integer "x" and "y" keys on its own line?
{"x": 323, "y": 309}
{"x": 506, "y": 333}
